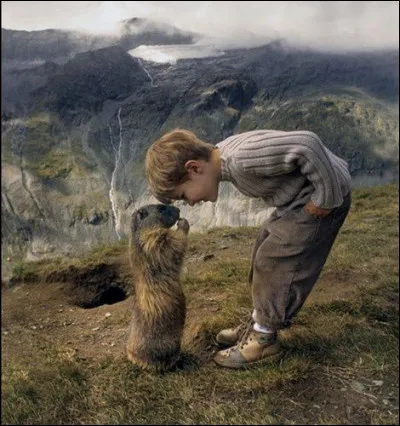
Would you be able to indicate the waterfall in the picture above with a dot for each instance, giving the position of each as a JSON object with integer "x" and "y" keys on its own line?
{"x": 113, "y": 194}
{"x": 145, "y": 70}
{"x": 112, "y": 140}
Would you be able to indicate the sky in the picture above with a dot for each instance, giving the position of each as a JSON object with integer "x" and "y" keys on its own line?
{"x": 330, "y": 25}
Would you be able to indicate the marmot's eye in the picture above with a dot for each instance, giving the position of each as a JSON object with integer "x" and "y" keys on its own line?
{"x": 162, "y": 209}
{"x": 143, "y": 213}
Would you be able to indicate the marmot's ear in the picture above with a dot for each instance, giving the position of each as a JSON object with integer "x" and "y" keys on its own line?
{"x": 143, "y": 213}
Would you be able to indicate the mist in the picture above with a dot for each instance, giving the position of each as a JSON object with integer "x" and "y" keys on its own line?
{"x": 327, "y": 25}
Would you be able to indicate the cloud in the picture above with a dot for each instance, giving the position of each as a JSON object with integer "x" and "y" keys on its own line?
{"x": 329, "y": 25}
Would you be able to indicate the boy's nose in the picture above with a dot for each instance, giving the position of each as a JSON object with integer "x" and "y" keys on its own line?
{"x": 191, "y": 203}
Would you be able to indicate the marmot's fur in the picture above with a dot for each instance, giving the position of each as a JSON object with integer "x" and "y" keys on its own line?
{"x": 156, "y": 254}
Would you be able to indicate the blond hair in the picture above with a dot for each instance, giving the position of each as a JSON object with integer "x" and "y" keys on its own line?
{"x": 166, "y": 159}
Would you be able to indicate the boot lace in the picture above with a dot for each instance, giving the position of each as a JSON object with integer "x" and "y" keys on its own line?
{"x": 245, "y": 328}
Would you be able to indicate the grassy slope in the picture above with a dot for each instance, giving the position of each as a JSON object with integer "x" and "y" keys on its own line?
{"x": 351, "y": 123}
{"x": 340, "y": 366}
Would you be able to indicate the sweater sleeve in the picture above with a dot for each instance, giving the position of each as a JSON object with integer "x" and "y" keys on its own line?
{"x": 269, "y": 155}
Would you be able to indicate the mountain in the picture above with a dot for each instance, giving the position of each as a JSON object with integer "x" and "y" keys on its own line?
{"x": 81, "y": 86}
{"x": 21, "y": 48}
{"x": 75, "y": 133}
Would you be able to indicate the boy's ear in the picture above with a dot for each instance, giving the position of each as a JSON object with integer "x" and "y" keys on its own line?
{"x": 193, "y": 166}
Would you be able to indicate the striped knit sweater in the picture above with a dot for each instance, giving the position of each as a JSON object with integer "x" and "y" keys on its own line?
{"x": 285, "y": 169}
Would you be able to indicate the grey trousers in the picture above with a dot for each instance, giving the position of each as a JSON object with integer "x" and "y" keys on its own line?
{"x": 288, "y": 256}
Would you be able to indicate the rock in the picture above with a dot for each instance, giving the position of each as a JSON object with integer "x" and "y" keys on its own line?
{"x": 94, "y": 219}
{"x": 230, "y": 235}
{"x": 357, "y": 386}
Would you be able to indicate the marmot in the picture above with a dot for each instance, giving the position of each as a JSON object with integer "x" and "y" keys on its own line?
{"x": 156, "y": 254}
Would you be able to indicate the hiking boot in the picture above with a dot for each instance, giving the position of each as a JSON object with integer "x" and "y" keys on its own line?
{"x": 230, "y": 336}
{"x": 254, "y": 349}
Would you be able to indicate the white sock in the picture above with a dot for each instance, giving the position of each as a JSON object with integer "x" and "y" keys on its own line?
{"x": 260, "y": 328}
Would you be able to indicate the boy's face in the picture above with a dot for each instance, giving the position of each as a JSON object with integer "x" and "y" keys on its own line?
{"x": 202, "y": 183}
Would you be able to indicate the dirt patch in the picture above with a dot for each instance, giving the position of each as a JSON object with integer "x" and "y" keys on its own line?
{"x": 39, "y": 316}
{"x": 42, "y": 313}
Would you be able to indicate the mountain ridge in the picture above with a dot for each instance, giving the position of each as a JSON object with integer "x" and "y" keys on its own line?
{"x": 74, "y": 135}
{"x": 61, "y": 45}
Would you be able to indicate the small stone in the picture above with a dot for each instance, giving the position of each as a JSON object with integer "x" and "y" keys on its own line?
{"x": 5, "y": 333}
{"x": 377, "y": 382}
{"x": 107, "y": 314}
{"x": 357, "y": 386}
{"x": 33, "y": 327}
{"x": 96, "y": 329}
{"x": 229, "y": 235}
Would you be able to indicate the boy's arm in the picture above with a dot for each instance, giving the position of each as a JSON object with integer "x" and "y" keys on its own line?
{"x": 283, "y": 153}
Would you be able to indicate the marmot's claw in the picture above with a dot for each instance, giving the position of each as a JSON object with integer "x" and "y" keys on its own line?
{"x": 183, "y": 224}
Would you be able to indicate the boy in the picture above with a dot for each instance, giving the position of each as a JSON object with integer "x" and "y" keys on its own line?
{"x": 292, "y": 171}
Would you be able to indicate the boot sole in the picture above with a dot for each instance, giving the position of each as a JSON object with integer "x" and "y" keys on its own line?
{"x": 271, "y": 359}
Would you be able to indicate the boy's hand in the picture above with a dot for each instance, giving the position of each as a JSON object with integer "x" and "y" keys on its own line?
{"x": 184, "y": 225}
{"x": 316, "y": 211}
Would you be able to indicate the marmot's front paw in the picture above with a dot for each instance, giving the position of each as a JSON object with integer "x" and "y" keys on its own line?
{"x": 184, "y": 225}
